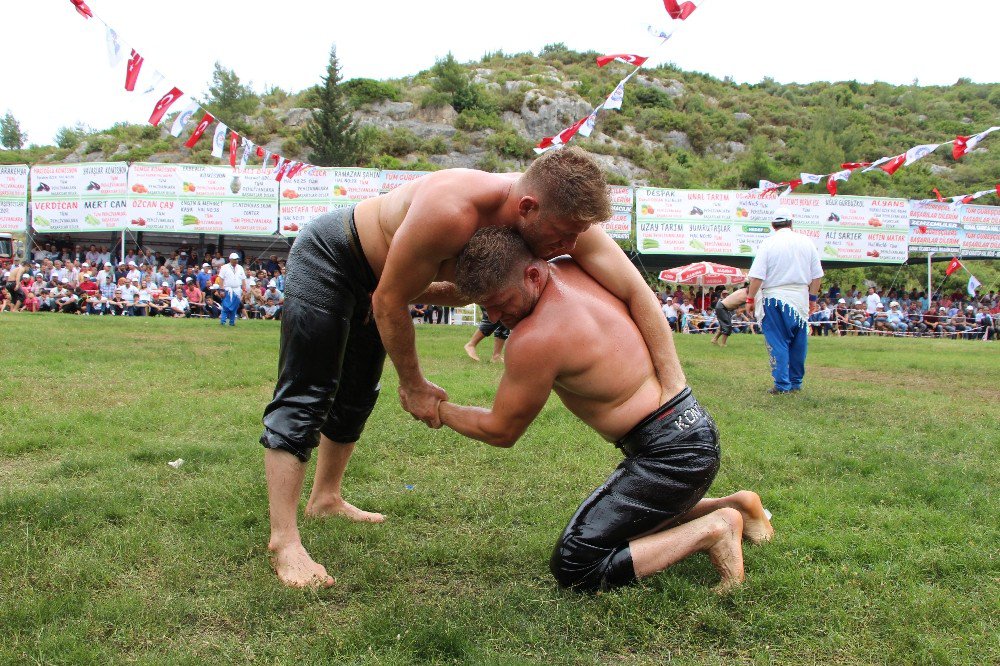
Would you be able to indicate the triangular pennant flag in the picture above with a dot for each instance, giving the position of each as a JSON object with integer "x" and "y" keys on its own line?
{"x": 199, "y": 130}
{"x": 260, "y": 151}
{"x": 659, "y": 33}
{"x": 831, "y": 183}
{"x": 918, "y": 153}
{"x": 132, "y": 70}
{"x": 164, "y": 104}
{"x": 219, "y": 140}
{"x": 82, "y": 9}
{"x": 792, "y": 184}
{"x": 938, "y": 195}
{"x": 266, "y": 156}
{"x": 282, "y": 170}
{"x": 115, "y": 49}
{"x": 614, "y": 100}
{"x": 234, "y": 140}
{"x": 183, "y": 118}
{"x": 587, "y": 128}
{"x": 292, "y": 172}
{"x": 155, "y": 80}
{"x": 953, "y": 266}
{"x": 973, "y": 285}
{"x": 811, "y": 178}
{"x": 851, "y": 166}
{"x": 679, "y": 10}
{"x": 964, "y": 144}
{"x": 627, "y": 58}
{"x": 248, "y": 146}
{"x": 888, "y": 164}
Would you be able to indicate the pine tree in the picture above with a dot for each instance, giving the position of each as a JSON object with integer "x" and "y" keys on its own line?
{"x": 229, "y": 100}
{"x": 332, "y": 133}
{"x": 11, "y": 136}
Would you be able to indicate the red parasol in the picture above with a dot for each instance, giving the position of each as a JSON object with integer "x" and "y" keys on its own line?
{"x": 703, "y": 274}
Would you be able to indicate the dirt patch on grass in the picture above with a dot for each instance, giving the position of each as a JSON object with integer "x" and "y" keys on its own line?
{"x": 914, "y": 381}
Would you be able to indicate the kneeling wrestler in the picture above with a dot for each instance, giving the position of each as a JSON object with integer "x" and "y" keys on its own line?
{"x": 650, "y": 513}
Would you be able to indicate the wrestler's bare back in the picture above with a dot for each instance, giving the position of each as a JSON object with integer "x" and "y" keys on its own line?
{"x": 604, "y": 373}
{"x": 474, "y": 197}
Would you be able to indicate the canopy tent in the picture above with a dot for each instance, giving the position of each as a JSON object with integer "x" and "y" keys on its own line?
{"x": 703, "y": 274}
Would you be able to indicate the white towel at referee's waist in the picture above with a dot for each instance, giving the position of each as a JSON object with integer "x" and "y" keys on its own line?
{"x": 795, "y": 296}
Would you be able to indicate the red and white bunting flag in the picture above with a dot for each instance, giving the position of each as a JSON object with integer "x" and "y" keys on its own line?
{"x": 627, "y": 58}
{"x": 132, "y": 70}
{"x": 614, "y": 100}
{"x": 199, "y": 130}
{"x": 811, "y": 178}
{"x": 792, "y": 184}
{"x": 918, "y": 153}
{"x": 277, "y": 159}
{"x": 938, "y": 195}
{"x": 851, "y": 166}
{"x": 82, "y": 9}
{"x": 888, "y": 164}
{"x": 116, "y": 51}
{"x": 266, "y": 156}
{"x": 998, "y": 189}
{"x": 165, "y": 102}
{"x": 562, "y": 138}
{"x": 219, "y": 140}
{"x": 963, "y": 145}
{"x": 260, "y": 152}
{"x": 292, "y": 172}
{"x": 831, "y": 183}
{"x": 248, "y": 147}
{"x": 183, "y": 118}
{"x": 953, "y": 266}
{"x": 234, "y": 140}
{"x": 283, "y": 169}
{"x": 680, "y": 10}
{"x": 587, "y": 128}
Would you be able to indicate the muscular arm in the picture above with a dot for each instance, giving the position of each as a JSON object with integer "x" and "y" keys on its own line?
{"x": 604, "y": 261}
{"x": 443, "y": 293}
{"x": 529, "y": 373}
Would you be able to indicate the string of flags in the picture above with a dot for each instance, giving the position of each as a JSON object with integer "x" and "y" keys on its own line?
{"x": 974, "y": 283}
{"x": 585, "y": 126}
{"x": 148, "y": 81}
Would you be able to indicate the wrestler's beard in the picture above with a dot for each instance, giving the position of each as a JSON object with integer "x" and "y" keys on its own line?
{"x": 526, "y": 305}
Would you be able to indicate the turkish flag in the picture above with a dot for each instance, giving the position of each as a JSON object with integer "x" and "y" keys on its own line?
{"x": 892, "y": 166}
{"x": 82, "y": 9}
{"x": 234, "y": 140}
{"x": 626, "y": 58}
{"x": 831, "y": 183}
{"x": 260, "y": 151}
{"x": 679, "y": 10}
{"x": 132, "y": 72}
{"x": 164, "y": 104}
{"x": 953, "y": 266}
{"x": 199, "y": 130}
{"x": 855, "y": 165}
{"x": 964, "y": 144}
{"x": 299, "y": 166}
{"x": 998, "y": 189}
{"x": 939, "y": 197}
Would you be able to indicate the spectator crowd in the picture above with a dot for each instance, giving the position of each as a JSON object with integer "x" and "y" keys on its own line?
{"x": 877, "y": 312}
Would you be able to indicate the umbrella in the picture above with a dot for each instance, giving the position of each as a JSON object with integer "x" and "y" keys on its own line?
{"x": 703, "y": 273}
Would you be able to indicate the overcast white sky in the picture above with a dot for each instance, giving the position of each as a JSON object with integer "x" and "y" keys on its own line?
{"x": 55, "y": 73}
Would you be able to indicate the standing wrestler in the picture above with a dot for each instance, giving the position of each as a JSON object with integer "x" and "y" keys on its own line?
{"x": 487, "y": 328}
{"x": 650, "y": 513}
{"x": 786, "y": 272}
{"x": 350, "y": 277}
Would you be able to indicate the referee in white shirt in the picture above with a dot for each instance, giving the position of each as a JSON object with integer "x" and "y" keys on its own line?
{"x": 786, "y": 272}
{"x": 234, "y": 280}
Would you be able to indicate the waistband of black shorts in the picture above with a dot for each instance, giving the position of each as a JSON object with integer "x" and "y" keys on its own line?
{"x": 637, "y": 438}
{"x": 354, "y": 241}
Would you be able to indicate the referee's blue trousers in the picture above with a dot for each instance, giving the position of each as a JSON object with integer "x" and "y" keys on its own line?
{"x": 786, "y": 336}
{"x": 230, "y": 305}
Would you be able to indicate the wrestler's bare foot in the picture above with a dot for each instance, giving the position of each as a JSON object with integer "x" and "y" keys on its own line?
{"x": 338, "y": 507}
{"x": 727, "y": 552}
{"x": 756, "y": 526}
{"x": 496, "y": 359}
{"x": 470, "y": 351}
{"x": 296, "y": 569}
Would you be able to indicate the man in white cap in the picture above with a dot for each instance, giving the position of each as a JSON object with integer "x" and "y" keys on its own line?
{"x": 898, "y": 321}
{"x": 784, "y": 279}
{"x": 273, "y": 300}
{"x": 234, "y": 282}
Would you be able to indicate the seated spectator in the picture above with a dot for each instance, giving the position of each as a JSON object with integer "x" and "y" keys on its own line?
{"x": 88, "y": 286}
{"x": 143, "y": 299}
{"x": 841, "y": 317}
{"x": 898, "y": 321}
{"x": 915, "y": 319}
{"x": 213, "y": 301}
{"x": 417, "y": 311}
{"x": 31, "y": 300}
{"x": 273, "y": 300}
{"x": 68, "y": 301}
{"x": 944, "y": 327}
{"x": 859, "y": 318}
{"x": 196, "y": 298}
{"x": 159, "y": 301}
{"x": 670, "y": 312}
{"x": 961, "y": 323}
{"x": 880, "y": 320}
{"x": 987, "y": 324}
{"x": 179, "y": 303}
{"x": 119, "y": 306}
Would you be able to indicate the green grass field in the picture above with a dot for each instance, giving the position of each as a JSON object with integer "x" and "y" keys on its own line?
{"x": 882, "y": 477}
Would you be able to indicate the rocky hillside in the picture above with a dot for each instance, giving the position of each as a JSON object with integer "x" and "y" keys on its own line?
{"x": 676, "y": 128}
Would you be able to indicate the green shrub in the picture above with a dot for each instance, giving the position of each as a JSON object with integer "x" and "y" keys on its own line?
{"x": 385, "y": 162}
{"x": 291, "y": 147}
{"x": 369, "y": 91}
{"x": 434, "y": 99}
{"x": 435, "y": 145}
{"x": 274, "y": 96}
{"x": 508, "y": 143}
{"x": 473, "y": 120}
{"x": 399, "y": 141}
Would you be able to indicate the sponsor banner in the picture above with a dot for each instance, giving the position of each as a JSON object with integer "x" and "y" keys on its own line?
{"x": 194, "y": 198}
{"x": 79, "y": 197}
{"x": 935, "y": 227}
{"x": 392, "y": 179}
{"x": 697, "y": 222}
{"x": 13, "y": 198}
{"x": 980, "y": 231}
{"x": 320, "y": 190}
{"x": 619, "y": 226}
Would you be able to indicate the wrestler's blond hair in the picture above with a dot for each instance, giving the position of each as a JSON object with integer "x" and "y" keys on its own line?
{"x": 569, "y": 185}
{"x": 490, "y": 261}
